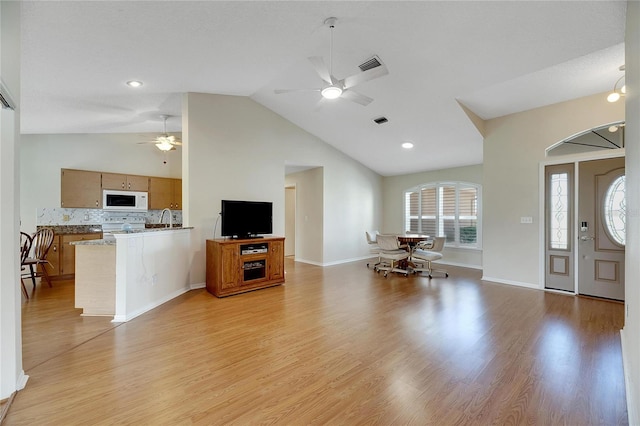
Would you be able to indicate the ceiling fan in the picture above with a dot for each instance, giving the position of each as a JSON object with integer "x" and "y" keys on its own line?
{"x": 165, "y": 142}
{"x": 341, "y": 88}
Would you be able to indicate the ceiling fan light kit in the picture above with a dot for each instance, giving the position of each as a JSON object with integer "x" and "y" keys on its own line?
{"x": 342, "y": 88}
{"x": 331, "y": 92}
{"x": 616, "y": 94}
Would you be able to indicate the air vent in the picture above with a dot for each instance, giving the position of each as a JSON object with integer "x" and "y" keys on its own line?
{"x": 380, "y": 120}
{"x": 5, "y": 99}
{"x": 370, "y": 64}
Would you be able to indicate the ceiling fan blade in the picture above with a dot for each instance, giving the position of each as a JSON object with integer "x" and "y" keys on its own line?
{"x": 358, "y": 98}
{"x": 368, "y": 75}
{"x": 321, "y": 68}
{"x": 320, "y": 104}
{"x": 280, "y": 91}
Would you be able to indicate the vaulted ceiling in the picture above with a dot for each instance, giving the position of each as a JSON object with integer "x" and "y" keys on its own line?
{"x": 494, "y": 58}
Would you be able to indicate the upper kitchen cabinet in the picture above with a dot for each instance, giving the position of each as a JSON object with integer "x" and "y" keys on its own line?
{"x": 125, "y": 182}
{"x": 81, "y": 189}
{"x": 165, "y": 193}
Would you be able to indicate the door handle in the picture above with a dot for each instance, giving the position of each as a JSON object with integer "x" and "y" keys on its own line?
{"x": 587, "y": 238}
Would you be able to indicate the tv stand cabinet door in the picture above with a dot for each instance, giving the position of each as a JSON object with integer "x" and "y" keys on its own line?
{"x": 229, "y": 279}
{"x": 276, "y": 260}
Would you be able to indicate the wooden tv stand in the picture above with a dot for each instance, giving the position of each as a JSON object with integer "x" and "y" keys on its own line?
{"x": 237, "y": 266}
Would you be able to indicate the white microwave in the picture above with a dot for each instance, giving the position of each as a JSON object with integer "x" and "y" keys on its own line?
{"x": 125, "y": 201}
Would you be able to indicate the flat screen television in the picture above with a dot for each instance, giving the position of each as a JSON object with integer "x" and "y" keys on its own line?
{"x": 246, "y": 219}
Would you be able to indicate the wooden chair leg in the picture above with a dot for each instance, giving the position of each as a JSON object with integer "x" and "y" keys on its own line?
{"x": 45, "y": 274}
{"x": 24, "y": 289}
{"x": 33, "y": 276}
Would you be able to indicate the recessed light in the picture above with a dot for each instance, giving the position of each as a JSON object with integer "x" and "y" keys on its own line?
{"x": 134, "y": 83}
{"x": 407, "y": 145}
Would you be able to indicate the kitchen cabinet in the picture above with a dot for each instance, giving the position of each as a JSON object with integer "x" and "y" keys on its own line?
{"x": 125, "y": 182}
{"x": 80, "y": 189}
{"x": 238, "y": 266}
{"x": 165, "y": 193}
{"x": 61, "y": 255}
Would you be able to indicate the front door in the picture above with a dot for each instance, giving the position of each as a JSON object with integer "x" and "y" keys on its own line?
{"x": 601, "y": 228}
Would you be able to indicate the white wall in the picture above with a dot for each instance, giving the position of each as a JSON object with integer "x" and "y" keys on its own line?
{"x": 309, "y": 214}
{"x": 393, "y": 201}
{"x": 631, "y": 332}
{"x": 12, "y": 376}
{"x": 514, "y": 146}
{"x": 151, "y": 269}
{"x": 236, "y": 148}
{"x": 117, "y": 153}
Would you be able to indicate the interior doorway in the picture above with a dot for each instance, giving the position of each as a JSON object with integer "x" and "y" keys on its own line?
{"x": 290, "y": 221}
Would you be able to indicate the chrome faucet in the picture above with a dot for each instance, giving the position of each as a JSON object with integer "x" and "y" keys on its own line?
{"x": 170, "y": 217}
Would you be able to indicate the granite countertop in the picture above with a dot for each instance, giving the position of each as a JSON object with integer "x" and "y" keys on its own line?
{"x": 142, "y": 231}
{"x": 73, "y": 229}
{"x": 112, "y": 241}
{"x": 103, "y": 242}
{"x": 161, "y": 225}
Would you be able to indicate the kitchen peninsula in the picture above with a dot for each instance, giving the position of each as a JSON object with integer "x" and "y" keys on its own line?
{"x": 133, "y": 273}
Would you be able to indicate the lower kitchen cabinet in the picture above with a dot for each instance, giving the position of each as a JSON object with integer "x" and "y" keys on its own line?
{"x": 62, "y": 254}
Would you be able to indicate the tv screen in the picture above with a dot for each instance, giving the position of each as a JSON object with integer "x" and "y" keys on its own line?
{"x": 244, "y": 219}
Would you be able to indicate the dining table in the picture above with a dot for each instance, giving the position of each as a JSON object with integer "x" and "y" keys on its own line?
{"x": 411, "y": 240}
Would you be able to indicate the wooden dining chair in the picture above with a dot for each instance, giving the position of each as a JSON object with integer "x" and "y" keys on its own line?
{"x": 42, "y": 241}
{"x": 25, "y": 248}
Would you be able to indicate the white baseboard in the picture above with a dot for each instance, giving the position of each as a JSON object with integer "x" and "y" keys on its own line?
{"x": 354, "y": 259}
{"x": 134, "y": 314}
{"x": 197, "y": 286}
{"x": 461, "y": 265}
{"x": 632, "y": 409}
{"x": 511, "y": 282}
{"x": 310, "y": 262}
{"x": 22, "y": 381}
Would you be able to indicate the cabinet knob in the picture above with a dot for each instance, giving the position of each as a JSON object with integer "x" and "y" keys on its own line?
{"x": 55, "y": 248}
{"x": 122, "y": 185}
{"x": 96, "y": 203}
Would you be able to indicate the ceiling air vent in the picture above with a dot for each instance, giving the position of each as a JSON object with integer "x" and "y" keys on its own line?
{"x": 374, "y": 62}
{"x": 380, "y": 120}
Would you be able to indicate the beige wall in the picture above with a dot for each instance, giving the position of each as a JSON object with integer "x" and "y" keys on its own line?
{"x": 393, "y": 201}
{"x": 290, "y": 221}
{"x": 514, "y": 146}
{"x": 631, "y": 332}
{"x": 117, "y": 153}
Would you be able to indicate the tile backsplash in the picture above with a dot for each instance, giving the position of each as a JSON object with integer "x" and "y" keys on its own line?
{"x": 60, "y": 216}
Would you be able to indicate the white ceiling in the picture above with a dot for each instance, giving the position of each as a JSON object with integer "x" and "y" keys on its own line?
{"x": 494, "y": 57}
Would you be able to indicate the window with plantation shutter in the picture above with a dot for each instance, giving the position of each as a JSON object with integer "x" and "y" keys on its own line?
{"x": 449, "y": 209}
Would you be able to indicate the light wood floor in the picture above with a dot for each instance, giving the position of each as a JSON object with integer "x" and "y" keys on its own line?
{"x": 335, "y": 345}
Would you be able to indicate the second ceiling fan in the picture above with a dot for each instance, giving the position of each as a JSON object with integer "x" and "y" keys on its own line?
{"x": 341, "y": 88}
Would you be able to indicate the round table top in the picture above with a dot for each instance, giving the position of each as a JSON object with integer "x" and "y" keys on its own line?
{"x": 412, "y": 238}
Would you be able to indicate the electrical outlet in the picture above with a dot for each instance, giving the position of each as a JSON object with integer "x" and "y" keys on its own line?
{"x": 526, "y": 219}
{"x": 65, "y": 218}
{"x": 86, "y": 216}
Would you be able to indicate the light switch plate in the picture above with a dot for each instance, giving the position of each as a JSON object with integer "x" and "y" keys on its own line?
{"x": 526, "y": 219}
